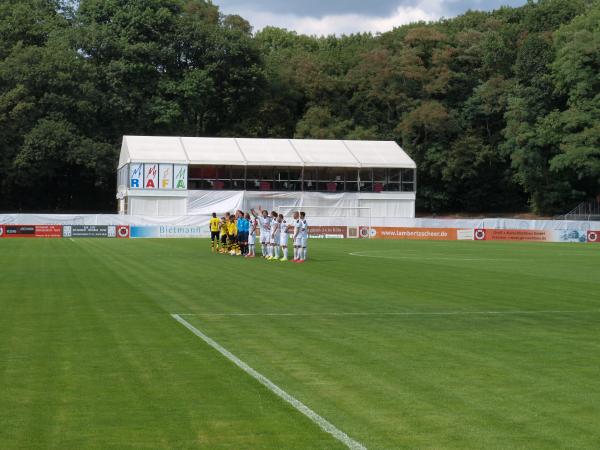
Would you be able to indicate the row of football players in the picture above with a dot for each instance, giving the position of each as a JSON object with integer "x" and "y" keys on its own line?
{"x": 236, "y": 234}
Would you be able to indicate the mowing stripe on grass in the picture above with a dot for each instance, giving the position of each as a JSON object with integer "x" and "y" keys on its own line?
{"x": 440, "y": 313}
{"x": 429, "y": 258}
{"x": 324, "y": 424}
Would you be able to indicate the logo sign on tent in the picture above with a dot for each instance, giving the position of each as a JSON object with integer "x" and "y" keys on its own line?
{"x": 165, "y": 176}
{"x": 150, "y": 176}
{"x": 136, "y": 176}
{"x": 158, "y": 176}
{"x": 181, "y": 176}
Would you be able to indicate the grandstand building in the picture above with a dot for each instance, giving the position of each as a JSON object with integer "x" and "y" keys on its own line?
{"x": 179, "y": 176}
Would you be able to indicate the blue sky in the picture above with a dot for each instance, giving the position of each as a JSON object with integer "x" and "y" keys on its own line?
{"x": 347, "y": 16}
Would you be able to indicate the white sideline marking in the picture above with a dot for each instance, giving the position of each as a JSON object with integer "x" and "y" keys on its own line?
{"x": 297, "y": 404}
{"x": 428, "y": 258}
{"x": 407, "y": 313}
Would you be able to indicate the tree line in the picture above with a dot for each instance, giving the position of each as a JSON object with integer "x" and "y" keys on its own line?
{"x": 500, "y": 110}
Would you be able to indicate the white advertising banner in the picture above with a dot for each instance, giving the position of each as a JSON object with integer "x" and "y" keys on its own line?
{"x": 181, "y": 175}
{"x": 136, "y": 176}
{"x": 165, "y": 172}
{"x": 465, "y": 234}
{"x": 150, "y": 176}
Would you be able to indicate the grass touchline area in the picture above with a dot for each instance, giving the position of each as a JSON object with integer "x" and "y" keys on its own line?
{"x": 497, "y": 349}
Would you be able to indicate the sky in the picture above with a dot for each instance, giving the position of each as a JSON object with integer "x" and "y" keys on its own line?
{"x": 323, "y": 17}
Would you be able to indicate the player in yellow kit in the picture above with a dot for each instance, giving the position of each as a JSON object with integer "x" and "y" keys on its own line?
{"x": 223, "y": 232}
{"x": 232, "y": 235}
{"x": 215, "y": 224}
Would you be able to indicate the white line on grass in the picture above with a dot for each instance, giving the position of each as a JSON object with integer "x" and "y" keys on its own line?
{"x": 297, "y": 404}
{"x": 399, "y": 313}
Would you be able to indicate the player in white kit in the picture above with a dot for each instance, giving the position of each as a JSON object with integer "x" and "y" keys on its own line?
{"x": 274, "y": 237}
{"x": 252, "y": 236}
{"x": 304, "y": 234}
{"x": 283, "y": 237}
{"x": 297, "y": 236}
{"x": 264, "y": 222}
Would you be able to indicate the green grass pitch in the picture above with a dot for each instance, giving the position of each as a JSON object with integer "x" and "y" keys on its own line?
{"x": 401, "y": 344}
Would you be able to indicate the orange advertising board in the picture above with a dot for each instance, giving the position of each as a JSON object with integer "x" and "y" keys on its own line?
{"x": 490, "y": 234}
{"x": 424, "y": 234}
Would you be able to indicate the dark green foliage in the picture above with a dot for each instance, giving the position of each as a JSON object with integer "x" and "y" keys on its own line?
{"x": 500, "y": 110}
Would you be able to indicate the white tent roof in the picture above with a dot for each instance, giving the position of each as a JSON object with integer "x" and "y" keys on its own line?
{"x": 325, "y": 153}
{"x": 263, "y": 152}
{"x": 214, "y": 151}
{"x": 379, "y": 154}
{"x": 269, "y": 152}
{"x": 150, "y": 149}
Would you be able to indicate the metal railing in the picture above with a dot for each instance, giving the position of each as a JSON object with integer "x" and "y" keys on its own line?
{"x": 585, "y": 211}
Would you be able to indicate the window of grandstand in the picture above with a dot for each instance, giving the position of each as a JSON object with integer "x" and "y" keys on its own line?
{"x": 408, "y": 180}
{"x": 288, "y": 178}
{"x": 310, "y": 179}
{"x": 365, "y": 180}
{"x": 316, "y": 179}
{"x": 331, "y": 179}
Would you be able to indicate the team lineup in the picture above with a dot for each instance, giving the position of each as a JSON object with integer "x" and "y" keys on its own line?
{"x": 235, "y": 234}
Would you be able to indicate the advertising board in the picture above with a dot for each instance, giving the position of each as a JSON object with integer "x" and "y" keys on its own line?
{"x": 328, "y": 232}
{"x": 166, "y": 231}
{"x": 89, "y": 231}
{"x": 48, "y": 231}
{"x": 19, "y": 231}
{"x": 490, "y": 234}
{"x": 422, "y": 234}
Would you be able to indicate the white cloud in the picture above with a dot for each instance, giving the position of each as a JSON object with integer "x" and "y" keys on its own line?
{"x": 345, "y": 23}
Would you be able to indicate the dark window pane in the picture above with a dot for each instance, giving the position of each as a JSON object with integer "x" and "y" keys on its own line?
{"x": 310, "y": 178}
{"x": 330, "y": 186}
{"x": 331, "y": 174}
{"x": 393, "y": 175}
{"x": 366, "y": 186}
{"x": 408, "y": 187}
{"x": 379, "y": 175}
{"x": 223, "y": 173}
{"x": 294, "y": 173}
{"x": 252, "y": 185}
{"x": 238, "y": 172}
{"x": 351, "y": 174}
{"x": 366, "y": 175}
{"x": 408, "y": 175}
{"x": 280, "y": 177}
{"x": 351, "y": 186}
{"x": 267, "y": 174}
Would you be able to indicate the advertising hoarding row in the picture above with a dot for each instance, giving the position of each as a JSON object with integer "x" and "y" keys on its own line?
{"x": 328, "y": 232}
{"x": 481, "y": 234}
{"x": 64, "y": 231}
